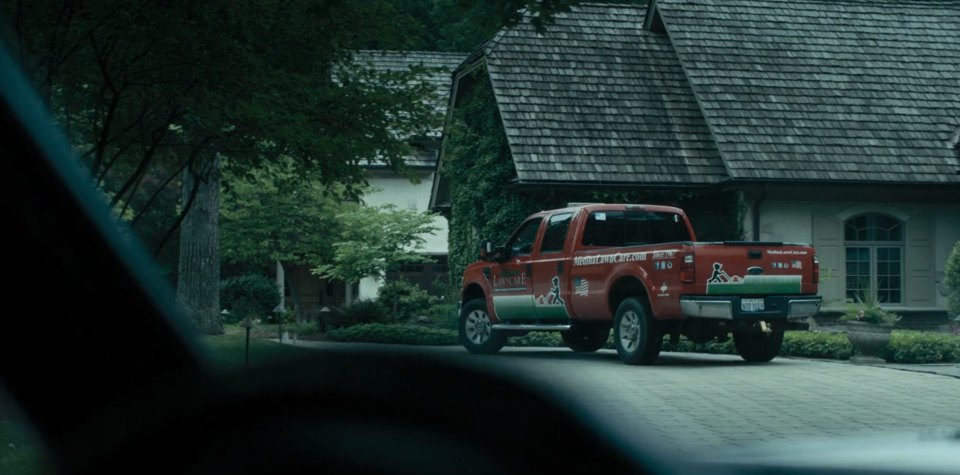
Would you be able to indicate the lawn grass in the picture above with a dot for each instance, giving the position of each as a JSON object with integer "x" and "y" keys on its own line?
{"x": 227, "y": 350}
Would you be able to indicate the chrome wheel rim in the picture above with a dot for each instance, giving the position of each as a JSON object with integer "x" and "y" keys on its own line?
{"x": 477, "y": 327}
{"x": 630, "y": 331}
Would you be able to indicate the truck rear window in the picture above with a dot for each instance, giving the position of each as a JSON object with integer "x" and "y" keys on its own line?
{"x": 633, "y": 228}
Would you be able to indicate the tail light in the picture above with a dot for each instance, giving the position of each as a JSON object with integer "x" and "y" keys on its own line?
{"x": 687, "y": 269}
{"x": 816, "y": 269}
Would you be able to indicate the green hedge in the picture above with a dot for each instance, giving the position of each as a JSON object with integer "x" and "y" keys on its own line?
{"x": 905, "y": 346}
{"x": 916, "y": 347}
{"x": 402, "y": 334}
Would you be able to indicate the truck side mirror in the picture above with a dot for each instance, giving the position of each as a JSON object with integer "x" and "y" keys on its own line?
{"x": 486, "y": 251}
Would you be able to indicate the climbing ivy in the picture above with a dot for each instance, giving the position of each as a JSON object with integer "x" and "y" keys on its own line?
{"x": 477, "y": 164}
{"x": 486, "y": 205}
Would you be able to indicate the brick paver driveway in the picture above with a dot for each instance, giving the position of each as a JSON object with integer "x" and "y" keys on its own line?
{"x": 695, "y": 401}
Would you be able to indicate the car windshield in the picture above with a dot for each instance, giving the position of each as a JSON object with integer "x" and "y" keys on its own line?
{"x": 712, "y": 226}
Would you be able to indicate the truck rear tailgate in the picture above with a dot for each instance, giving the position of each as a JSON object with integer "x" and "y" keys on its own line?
{"x": 754, "y": 268}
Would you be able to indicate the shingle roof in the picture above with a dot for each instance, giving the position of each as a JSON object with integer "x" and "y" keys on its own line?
{"x": 440, "y": 67}
{"x": 596, "y": 98}
{"x": 816, "y": 90}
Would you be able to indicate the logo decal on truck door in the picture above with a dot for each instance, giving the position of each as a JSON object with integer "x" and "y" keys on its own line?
{"x": 720, "y": 283}
{"x": 551, "y": 298}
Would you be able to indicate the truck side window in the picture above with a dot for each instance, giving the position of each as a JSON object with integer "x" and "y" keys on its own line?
{"x": 604, "y": 228}
{"x": 633, "y": 228}
{"x": 556, "y": 233}
{"x": 522, "y": 241}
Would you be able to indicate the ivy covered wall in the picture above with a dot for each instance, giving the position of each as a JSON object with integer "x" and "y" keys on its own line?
{"x": 487, "y": 204}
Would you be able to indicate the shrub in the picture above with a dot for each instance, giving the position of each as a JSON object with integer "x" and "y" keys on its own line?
{"x": 833, "y": 346}
{"x": 359, "y": 312}
{"x": 952, "y": 281}
{"x": 540, "y": 339}
{"x": 917, "y": 347}
{"x": 403, "y": 334}
{"x": 410, "y": 300}
{"x": 444, "y": 315}
{"x": 251, "y": 295}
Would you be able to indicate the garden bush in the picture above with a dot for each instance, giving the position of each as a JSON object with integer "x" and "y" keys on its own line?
{"x": 403, "y": 334}
{"x": 411, "y": 300}
{"x": 359, "y": 312}
{"x": 537, "y": 339}
{"x": 834, "y": 346}
{"x": 444, "y": 315}
{"x": 951, "y": 282}
{"x": 917, "y": 347}
{"x": 251, "y": 295}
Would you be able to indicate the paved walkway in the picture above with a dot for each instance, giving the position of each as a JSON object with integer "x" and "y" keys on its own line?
{"x": 699, "y": 401}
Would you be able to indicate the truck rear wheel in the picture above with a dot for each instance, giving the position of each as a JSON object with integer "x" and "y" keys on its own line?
{"x": 758, "y": 347}
{"x": 476, "y": 329}
{"x": 586, "y": 338}
{"x": 636, "y": 334}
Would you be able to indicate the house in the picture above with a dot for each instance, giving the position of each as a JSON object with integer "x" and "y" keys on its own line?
{"x": 412, "y": 191}
{"x": 835, "y": 123}
{"x": 409, "y": 190}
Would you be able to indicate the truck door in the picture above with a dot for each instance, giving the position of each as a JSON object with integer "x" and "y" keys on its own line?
{"x": 551, "y": 289}
{"x": 512, "y": 285}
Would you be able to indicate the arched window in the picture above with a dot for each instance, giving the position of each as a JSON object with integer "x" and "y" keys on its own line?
{"x": 874, "y": 258}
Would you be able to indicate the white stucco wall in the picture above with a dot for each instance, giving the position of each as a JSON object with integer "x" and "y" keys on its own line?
{"x": 404, "y": 194}
{"x": 792, "y": 221}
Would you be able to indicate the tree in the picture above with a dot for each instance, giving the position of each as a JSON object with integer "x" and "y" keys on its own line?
{"x": 148, "y": 90}
{"x": 276, "y": 215}
{"x": 375, "y": 240}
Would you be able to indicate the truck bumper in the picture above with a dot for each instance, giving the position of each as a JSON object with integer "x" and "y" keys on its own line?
{"x": 775, "y": 307}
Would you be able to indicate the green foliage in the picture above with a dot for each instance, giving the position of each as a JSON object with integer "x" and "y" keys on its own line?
{"x": 867, "y": 310}
{"x": 399, "y": 334}
{"x": 537, "y": 339}
{"x": 917, "y": 347}
{"x": 375, "y": 240}
{"x": 251, "y": 295}
{"x": 275, "y": 214}
{"x": 145, "y": 90}
{"x": 407, "y": 298}
{"x": 834, "y": 346}
{"x": 951, "y": 281}
{"x": 359, "y": 312}
{"x": 444, "y": 315}
{"x": 477, "y": 163}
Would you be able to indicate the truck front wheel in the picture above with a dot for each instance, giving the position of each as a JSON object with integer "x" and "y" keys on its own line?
{"x": 758, "y": 347}
{"x": 635, "y": 333}
{"x": 585, "y": 338}
{"x": 476, "y": 329}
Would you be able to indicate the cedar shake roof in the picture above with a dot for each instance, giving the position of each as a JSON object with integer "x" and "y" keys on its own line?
{"x": 440, "y": 68}
{"x": 825, "y": 90}
{"x": 744, "y": 90}
{"x": 598, "y": 99}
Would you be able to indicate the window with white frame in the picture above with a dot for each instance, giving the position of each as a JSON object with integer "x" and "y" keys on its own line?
{"x": 874, "y": 258}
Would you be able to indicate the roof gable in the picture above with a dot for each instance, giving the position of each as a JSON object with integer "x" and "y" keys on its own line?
{"x": 811, "y": 90}
{"x": 596, "y": 98}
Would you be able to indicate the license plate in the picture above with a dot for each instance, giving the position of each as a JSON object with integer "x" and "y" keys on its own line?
{"x": 751, "y": 305}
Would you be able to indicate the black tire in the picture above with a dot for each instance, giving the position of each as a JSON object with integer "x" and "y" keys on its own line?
{"x": 758, "y": 347}
{"x": 636, "y": 335}
{"x": 586, "y": 338}
{"x": 474, "y": 329}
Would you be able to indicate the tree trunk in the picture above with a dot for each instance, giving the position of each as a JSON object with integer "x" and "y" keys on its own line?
{"x": 198, "y": 281}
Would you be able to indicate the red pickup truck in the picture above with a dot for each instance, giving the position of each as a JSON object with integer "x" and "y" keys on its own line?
{"x": 586, "y": 268}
